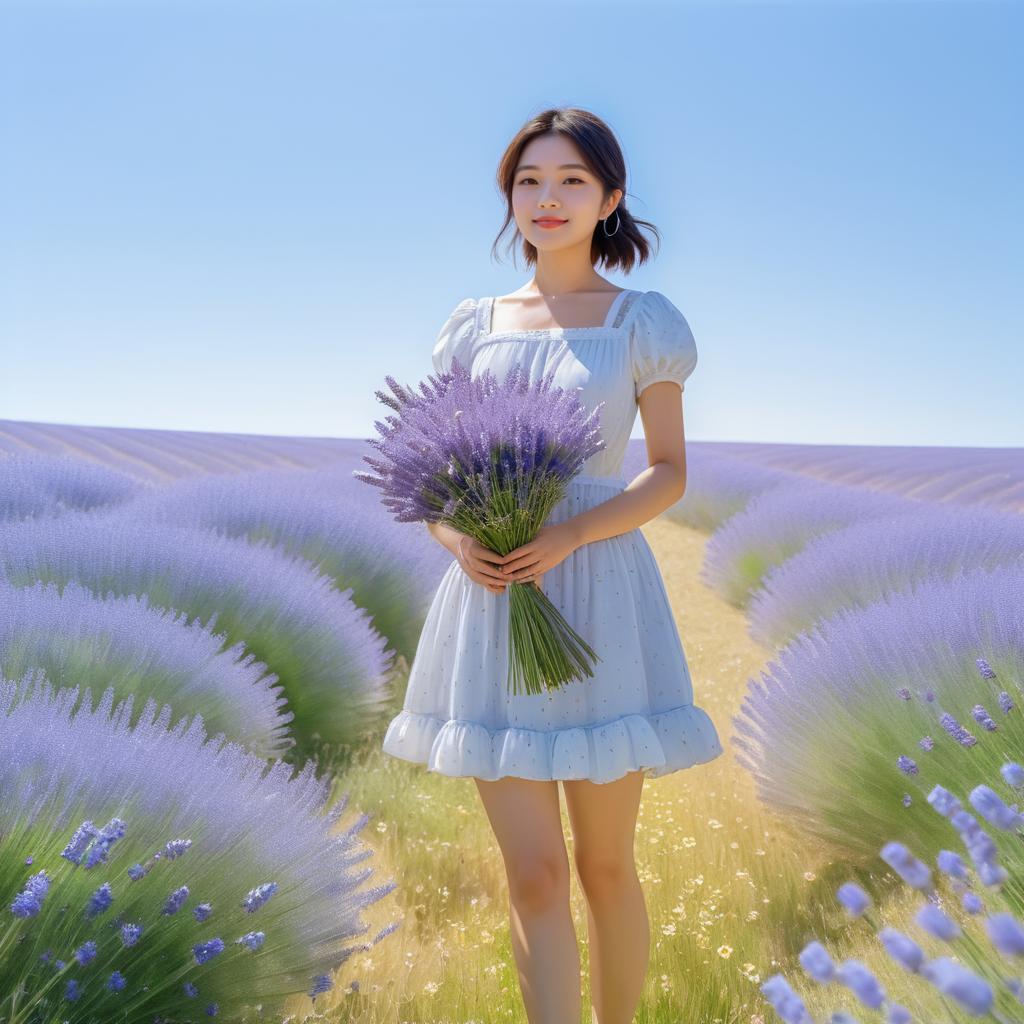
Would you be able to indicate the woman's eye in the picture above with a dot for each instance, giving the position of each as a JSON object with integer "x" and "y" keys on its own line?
{"x": 525, "y": 180}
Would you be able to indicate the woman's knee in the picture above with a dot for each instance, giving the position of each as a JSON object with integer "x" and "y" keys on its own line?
{"x": 600, "y": 873}
{"x": 538, "y": 880}
{"x": 525, "y": 815}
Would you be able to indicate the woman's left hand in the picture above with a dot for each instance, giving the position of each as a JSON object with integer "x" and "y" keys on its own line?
{"x": 553, "y": 543}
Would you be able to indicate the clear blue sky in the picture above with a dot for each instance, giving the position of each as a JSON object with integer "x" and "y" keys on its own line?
{"x": 241, "y": 216}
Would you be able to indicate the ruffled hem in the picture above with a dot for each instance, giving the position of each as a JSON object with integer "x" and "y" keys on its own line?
{"x": 659, "y": 744}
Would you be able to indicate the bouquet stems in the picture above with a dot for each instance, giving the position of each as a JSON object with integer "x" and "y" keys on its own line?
{"x": 544, "y": 650}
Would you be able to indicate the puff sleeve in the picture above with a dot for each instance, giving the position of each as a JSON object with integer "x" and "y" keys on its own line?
{"x": 455, "y": 336}
{"x": 661, "y": 343}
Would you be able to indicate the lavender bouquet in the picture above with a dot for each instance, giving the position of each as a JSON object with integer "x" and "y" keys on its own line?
{"x": 491, "y": 460}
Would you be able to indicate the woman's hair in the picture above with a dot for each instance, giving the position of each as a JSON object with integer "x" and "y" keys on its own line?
{"x": 603, "y": 155}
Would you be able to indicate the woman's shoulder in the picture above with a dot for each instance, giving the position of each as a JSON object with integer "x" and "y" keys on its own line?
{"x": 455, "y": 333}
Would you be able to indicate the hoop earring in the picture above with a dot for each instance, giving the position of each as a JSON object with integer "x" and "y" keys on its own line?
{"x": 604, "y": 224}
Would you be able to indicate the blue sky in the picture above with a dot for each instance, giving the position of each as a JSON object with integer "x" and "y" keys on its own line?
{"x": 241, "y": 216}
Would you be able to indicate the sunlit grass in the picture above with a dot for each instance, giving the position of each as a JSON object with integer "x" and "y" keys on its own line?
{"x": 731, "y": 897}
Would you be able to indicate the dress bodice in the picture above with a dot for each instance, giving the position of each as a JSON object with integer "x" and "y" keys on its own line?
{"x": 644, "y": 339}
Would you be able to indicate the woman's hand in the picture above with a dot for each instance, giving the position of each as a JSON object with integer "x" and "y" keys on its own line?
{"x": 553, "y": 543}
{"x": 480, "y": 564}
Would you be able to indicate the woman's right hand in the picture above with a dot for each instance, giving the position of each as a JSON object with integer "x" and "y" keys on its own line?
{"x": 478, "y": 564}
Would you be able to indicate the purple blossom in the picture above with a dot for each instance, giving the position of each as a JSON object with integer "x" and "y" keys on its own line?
{"x": 176, "y": 847}
{"x": 951, "y": 864}
{"x": 906, "y": 765}
{"x": 130, "y": 934}
{"x": 176, "y": 900}
{"x": 853, "y": 898}
{"x": 116, "y": 982}
{"x": 856, "y": 976}
{"x": 29, "y": 901}
{"x": 815, "y": 960}
{"x": 902, "y": 948}
{"x": 86, "y": 953}
{"x": 907, "y": 866}
{"x": 252, "y": 939}
{"x": 979, "y": 714}
{"x": 926, "y": 743}
{"x": 212, "y": 1009}
{"x": 136, "y": 871}
{"x": 202, "y": 911}
{"x": 984, "y": 668}
{"x": 79, "y": 842}
{"x": 190, "y": 990}
{"x": 321, "y": 983}
{"x": 988, "y": 804}
{"x": 1006, "y": 933}
{"x": 255, "y": 898}
{"x": 1006, "y": 702}
{"x": 955, "y": 980}
{"x": 786, "y": 1003}
{"x": 102, "y": 842}
{"x": 72, "y": 990}
{"x": 933, "y": 920}
{"x": 1013, "y": 774}
{"x": 204, "y": 951}
{"x": 99, "y": 901}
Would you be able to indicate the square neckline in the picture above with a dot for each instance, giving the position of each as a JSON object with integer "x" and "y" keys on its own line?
{"x": 484, "y": 332}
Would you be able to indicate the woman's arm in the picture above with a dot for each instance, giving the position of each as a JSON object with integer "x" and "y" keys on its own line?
{"x": 447, "y": 536}
{"x": 659, "y": 486}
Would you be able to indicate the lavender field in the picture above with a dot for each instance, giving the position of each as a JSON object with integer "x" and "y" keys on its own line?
{"x": 203, "y": 637}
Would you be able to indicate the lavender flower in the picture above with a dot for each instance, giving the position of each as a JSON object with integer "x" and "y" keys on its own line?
{"x": 86, "y": 953}
{"x": 176, "y": 900}
{"x": 79, "y": 842}
{"x": 904, "y": 950}
{"x": 202, "y": 911}
{"x": 204, "y": 951}
{"x": 130, "y": 934}
{"x": 255, "y": 898}
{"x": 136, "y": 871}
{"x": 252, "y": 939}
{"x": 321, "y": 983}
{"x": 853, "y": 897}
{"x": 29, "y": 901}
{"x": 953, "y": 979}
{"x": 492, "y": 460}
{"x": 99, "y": 901}
{"x": 116, "y": 982}
{"x": 176, "y": 847}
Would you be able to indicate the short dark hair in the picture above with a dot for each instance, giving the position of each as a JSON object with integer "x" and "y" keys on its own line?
{"x": 602, "y": 153}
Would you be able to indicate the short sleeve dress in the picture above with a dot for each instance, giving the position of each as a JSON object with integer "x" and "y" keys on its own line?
{"x": 637, "y": 711}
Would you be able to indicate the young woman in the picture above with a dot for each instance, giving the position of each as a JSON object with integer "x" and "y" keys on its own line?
{"x": 564, "y": 179}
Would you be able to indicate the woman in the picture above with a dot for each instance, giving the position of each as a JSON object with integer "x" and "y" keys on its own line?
{"x": 563, "y": 176}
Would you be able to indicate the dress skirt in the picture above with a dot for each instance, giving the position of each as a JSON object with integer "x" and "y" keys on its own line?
{"x": 635, "y": 712}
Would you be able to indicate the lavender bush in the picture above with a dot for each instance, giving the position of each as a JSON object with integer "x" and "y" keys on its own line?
{"x": 34, "y": 484}
{"x": 975, "y": 977}
{"x": 156, "y": 456}
{"x": 862, "y": 563}
{"x": 778, "y": 524}
{"x": 899, "y": 675}
{"x": 325, "y": 518}
{"x": 77, "y": 638}
{"x": 950, "y": 475}
{"x": 492, "y": 460}
{"x": 217, "y": 880}
{"x": 331, "y": 664}
{"x": 717, "y": 487}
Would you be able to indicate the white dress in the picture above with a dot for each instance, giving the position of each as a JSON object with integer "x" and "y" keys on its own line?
{"x": 637, "y": 710}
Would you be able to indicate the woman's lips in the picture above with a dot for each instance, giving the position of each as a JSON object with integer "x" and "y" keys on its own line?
{"x": 550, "y": 223}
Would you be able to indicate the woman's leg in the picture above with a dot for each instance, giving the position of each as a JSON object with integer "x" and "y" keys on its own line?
{"x": 527, "y": 822}
{"x": 603, "y": 818}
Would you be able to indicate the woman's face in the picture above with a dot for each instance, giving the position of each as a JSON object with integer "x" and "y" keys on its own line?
{"x": 546, "y": 188}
